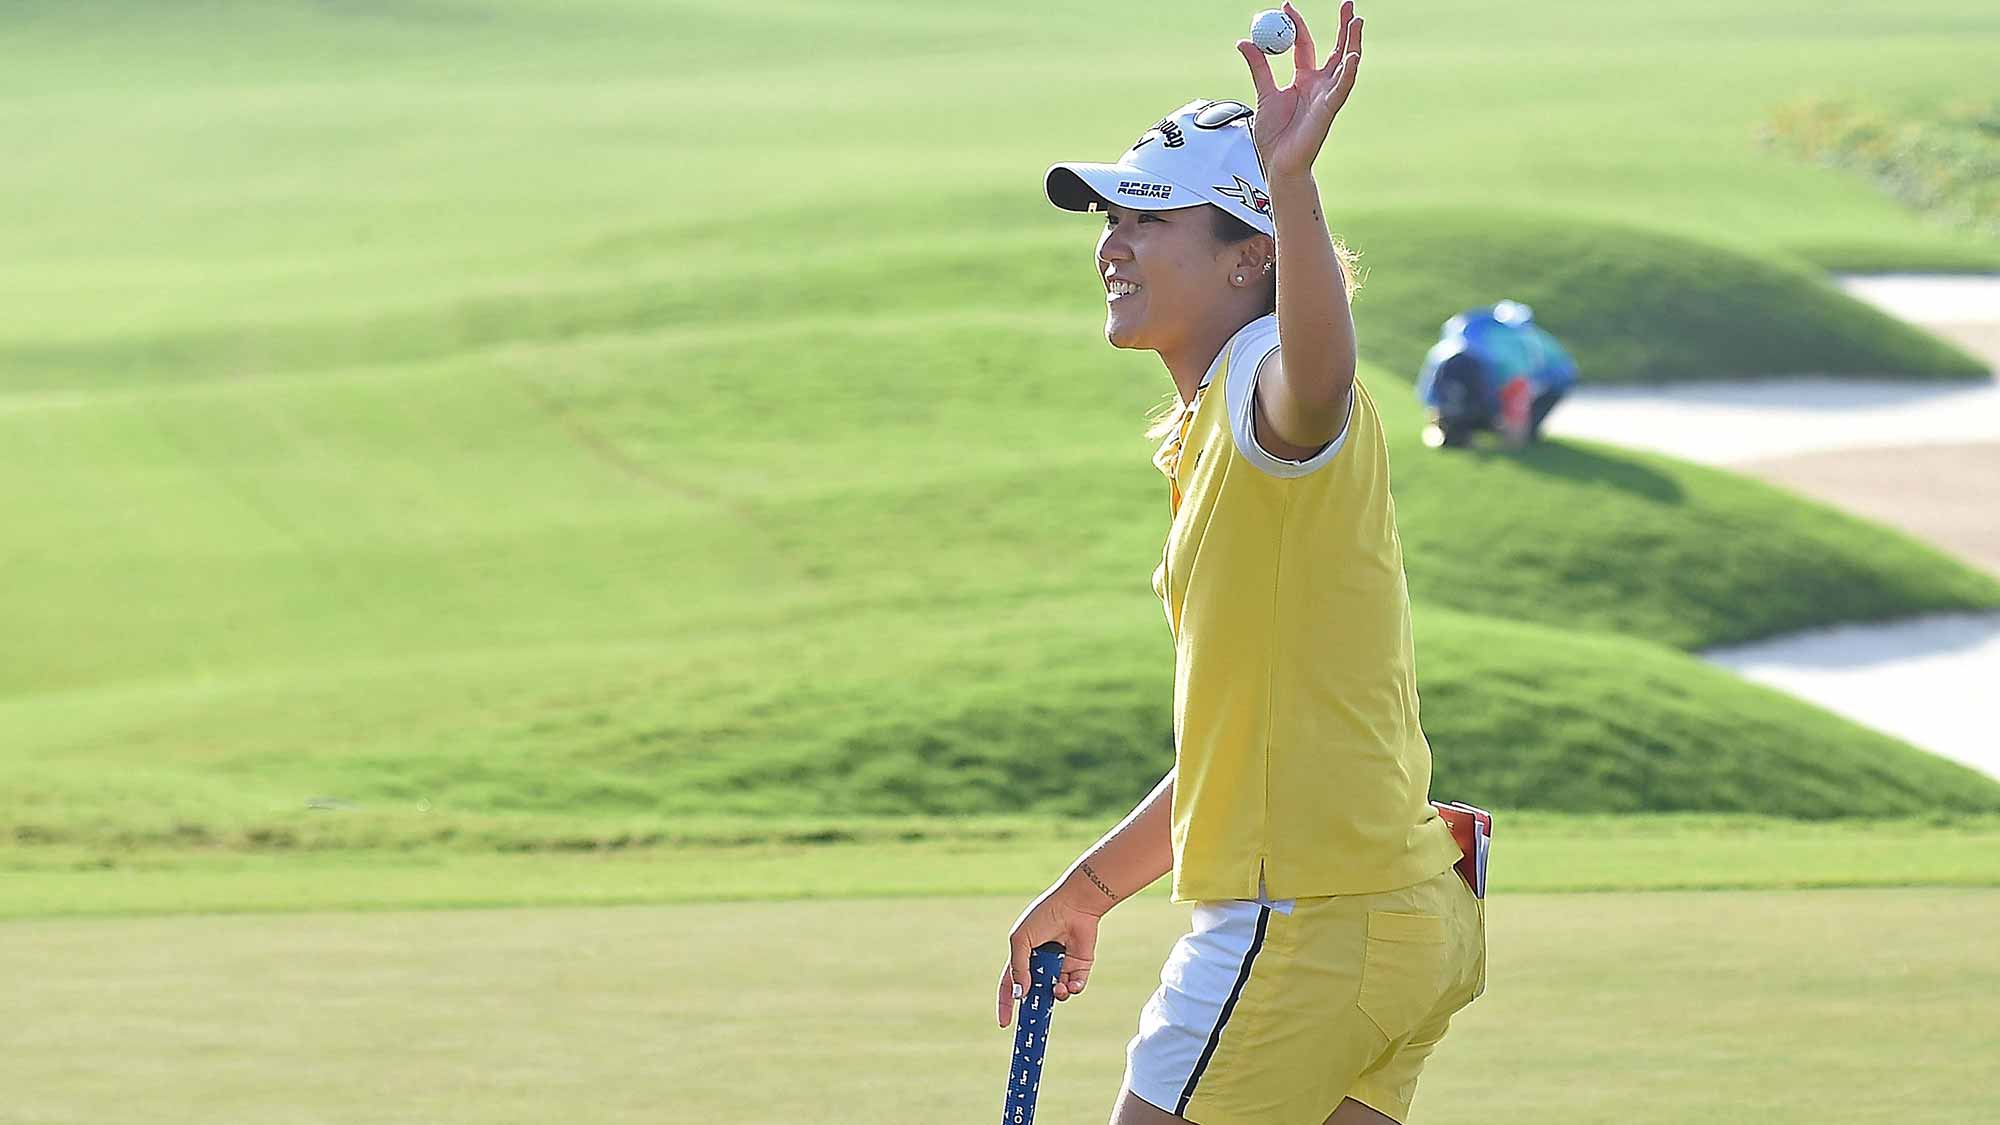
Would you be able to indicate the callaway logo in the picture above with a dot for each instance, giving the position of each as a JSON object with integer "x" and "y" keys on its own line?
{"x": 1247, "y": 195}
{"x": 1168, "y": 128}
{"x": 1144, "y": 190}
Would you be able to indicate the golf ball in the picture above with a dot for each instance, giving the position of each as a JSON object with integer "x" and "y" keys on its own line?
{"x": 1272, "y": 31}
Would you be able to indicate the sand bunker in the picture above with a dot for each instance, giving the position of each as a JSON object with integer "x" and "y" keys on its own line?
{"x": 1947, "y": 495}
{"x": 1923, "y": 457}
{"x": 1930, "y": 298}
{"x": 1928, "y": 681}
{"x": 1730, "y": 423}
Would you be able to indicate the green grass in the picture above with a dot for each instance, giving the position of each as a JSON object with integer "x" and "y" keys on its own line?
{"x": 312, "y": 606}
{"x": 1633, "y": 305}
{"x": 1801, "y": 1007}
{"x": 403, "y": 860}
{"x": 266, "y": 176}
{"x": 499, "y": 424}
{"x": 604, "y": 464}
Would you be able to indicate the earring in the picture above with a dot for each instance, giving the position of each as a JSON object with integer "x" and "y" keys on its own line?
{"x": 1239, "y": 279}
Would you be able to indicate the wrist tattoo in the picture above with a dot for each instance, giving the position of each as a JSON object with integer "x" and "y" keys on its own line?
{"x": 1092, "y": 875}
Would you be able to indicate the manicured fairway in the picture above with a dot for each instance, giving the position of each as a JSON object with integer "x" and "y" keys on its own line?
{"x": 1805, "y": 1006}
{"x": 1538, "y": 852}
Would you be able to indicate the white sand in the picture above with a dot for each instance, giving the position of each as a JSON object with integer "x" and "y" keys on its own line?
{"x": 1724, "y": 423}
{"x": 1929, "y": 298}
{"x": 1929, "y": 681}
{"x": 1727, "y": 423}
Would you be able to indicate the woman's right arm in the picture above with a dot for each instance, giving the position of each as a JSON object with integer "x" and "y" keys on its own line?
{"x": 1125, "y": 861}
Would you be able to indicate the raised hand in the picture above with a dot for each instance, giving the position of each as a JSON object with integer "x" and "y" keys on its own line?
{"x": 1292, "y": 122}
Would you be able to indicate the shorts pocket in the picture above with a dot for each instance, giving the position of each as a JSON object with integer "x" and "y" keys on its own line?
{"x": 1401, "y": 970}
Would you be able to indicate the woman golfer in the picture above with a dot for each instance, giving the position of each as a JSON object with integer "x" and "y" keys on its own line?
{"x": 1332, "y": 941}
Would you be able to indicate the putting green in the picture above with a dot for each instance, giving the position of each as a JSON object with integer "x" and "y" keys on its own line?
{"x": 1806, "y": 1007}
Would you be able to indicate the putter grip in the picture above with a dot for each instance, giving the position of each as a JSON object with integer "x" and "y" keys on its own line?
{"x": 1031, "y": 1034}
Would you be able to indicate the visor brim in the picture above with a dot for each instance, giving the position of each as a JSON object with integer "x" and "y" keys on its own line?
{"x": 1089, "y": 187}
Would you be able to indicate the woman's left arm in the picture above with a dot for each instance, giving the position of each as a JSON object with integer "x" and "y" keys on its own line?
{"x": 1304, "y": 395}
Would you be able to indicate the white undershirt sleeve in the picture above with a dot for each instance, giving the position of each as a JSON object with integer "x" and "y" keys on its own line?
{"x": 1239, "y": 391}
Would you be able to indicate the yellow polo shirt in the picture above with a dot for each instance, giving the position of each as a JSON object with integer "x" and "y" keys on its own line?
{"x": 1301, "y": 762}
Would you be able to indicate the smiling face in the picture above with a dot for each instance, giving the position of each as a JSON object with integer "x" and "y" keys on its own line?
{"x": 1168, "y": 278}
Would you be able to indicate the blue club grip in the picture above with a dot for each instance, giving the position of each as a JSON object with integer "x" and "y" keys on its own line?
{"x": 1031, "y": 1033}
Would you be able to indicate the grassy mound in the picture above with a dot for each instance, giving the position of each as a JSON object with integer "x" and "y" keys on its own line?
{"x": 1519, "y": 717}
{"x": 1633, "y": 305}
{"x": 602, "y": 752}
{"x": 1863, "y": 255}
{"x": 718, "y": 592}
{"x": 1565, "y": 719}
{"x": 1584, "y": 536}
{"x": 486, "y": 428}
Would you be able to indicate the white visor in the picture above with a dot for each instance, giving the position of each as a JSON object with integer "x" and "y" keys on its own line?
{"x": 1200, "y": 153}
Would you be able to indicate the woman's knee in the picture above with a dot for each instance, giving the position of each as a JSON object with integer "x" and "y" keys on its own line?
{"x": 1135, "y": 1110}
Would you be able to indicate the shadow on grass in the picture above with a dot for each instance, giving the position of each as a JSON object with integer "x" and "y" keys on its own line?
{"x": 1577, "y": 463}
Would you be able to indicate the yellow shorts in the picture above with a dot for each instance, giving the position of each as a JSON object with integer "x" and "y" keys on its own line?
{"x": 1271, "y": 1011}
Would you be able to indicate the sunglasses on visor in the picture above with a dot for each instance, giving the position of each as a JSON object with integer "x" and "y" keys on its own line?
{"x": 1215, "y": 115}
